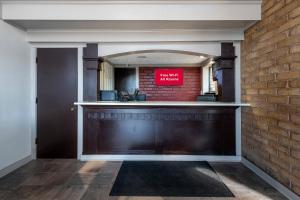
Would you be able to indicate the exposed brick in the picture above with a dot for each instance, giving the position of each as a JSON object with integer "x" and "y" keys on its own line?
{"x": 270, "y": 82}
{"x": 279, "y": 68}
{"x": 295, "y": 100}
{"x": 295, "y": 66}
{"x": 268, "y": 91}
{"x": 288, "y": 108}
{"x": 267, "y": 5}
{"x": 295, "y": 49}
{"x": 265, "y": 106}
{"x": 289, "y": 126}
{"x": 295, "y": 83}
{"x": 251, "y": 91}
{"x": 280, "y": 116}
{"x": 295, "y": 145}
{"x": 278, "y": 99}
{"x": 290, "y": 58}
{"x": 295, "y": 136}
{"x": 277, "y": 84}
{"x": 278, "y": 131}
{"x": 269, "y": 77}
{"x": 289, "y": 91}
{"x": 295, "y": 13}
{"x": 295, "y": 118}
{"x": 267, "y": 63}
{"x": 278, "y": 5}
{"x": 287, "y": 42}
{"x": 288, "y": 75}
{"x": 290, "y": 7}
{"x": 187, "y": 92}
{"x": 291, "y": 23}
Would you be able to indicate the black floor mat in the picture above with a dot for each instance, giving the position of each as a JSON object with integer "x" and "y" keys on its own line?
{"x": 165, "y": 178}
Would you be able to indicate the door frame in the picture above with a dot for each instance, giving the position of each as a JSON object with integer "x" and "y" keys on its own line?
{"x": 137, "y": 74}
{"x": 33, "y": 92}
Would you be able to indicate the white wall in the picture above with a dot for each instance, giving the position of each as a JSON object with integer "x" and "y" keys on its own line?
{"x": 107, "y": 76}
{"x": 15, "y": 95}
{"x": 205, "y": 73}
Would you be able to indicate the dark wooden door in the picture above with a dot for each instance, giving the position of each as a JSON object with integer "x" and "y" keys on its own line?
{"x": 125, "y": 79}
{"x": 56, "y": 94}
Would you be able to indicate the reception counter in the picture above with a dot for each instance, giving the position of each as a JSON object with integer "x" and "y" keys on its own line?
{"x": 161, "y": 103}
{"x": 172, "y": 128}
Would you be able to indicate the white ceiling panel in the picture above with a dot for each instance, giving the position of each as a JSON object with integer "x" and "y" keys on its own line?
{"x": 128, "y": 25}
{"x": 157, "y": 58}
{"x": 131, "y": 15}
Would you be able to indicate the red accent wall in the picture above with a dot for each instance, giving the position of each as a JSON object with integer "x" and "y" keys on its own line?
{"x": 190, "y": 89}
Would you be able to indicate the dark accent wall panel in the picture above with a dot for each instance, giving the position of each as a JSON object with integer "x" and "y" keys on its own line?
{"x": 223, "y": 72}
{"x": 90, "y": 72}
{"x": 153, "y": 130}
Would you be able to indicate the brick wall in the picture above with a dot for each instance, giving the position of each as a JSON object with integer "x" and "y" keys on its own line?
{"x": 187, "y": 92}
{"x": 271, "y": 83}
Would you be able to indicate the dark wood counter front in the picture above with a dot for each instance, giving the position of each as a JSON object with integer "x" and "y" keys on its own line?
{"x": 159, "y": 130}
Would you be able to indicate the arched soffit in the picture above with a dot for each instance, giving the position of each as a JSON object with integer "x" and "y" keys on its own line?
{"x": 157, "y": 51}
{"x": 162, "y": 57}
{"x": 207, "y": 49}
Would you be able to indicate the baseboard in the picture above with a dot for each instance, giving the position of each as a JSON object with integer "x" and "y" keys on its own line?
{"x": 161, "y": 158}
{"x": 281, "y": 188}
{"x": 15, "y": 165}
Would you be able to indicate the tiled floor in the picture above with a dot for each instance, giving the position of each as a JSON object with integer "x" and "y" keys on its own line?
{"x": 72, "y": 179}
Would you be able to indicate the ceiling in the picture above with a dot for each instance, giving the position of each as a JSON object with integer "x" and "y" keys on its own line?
{"x": 36, "y": 15}
{"x": 127, "y": 25}
{"x": 155, "y": 58}
{"x": 112, "y": 0}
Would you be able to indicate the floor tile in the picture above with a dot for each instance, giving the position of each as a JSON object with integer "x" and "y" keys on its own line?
{"x": 13, "y": 180}
{"x": 74, "y": 192}
{"x": 37, "y": 179}
{"x": 92, "y": 167}
{"x": 61, "y": 179}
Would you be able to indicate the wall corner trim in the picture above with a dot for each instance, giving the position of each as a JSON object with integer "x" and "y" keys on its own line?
{"x": 278, "y": 186}
{"x": 15, "y": 165}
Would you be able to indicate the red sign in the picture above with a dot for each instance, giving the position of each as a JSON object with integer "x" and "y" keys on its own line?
{"x": 169, "y": 76}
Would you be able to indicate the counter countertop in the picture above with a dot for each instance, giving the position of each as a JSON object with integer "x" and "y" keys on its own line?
{"x": 159, "y": 103}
